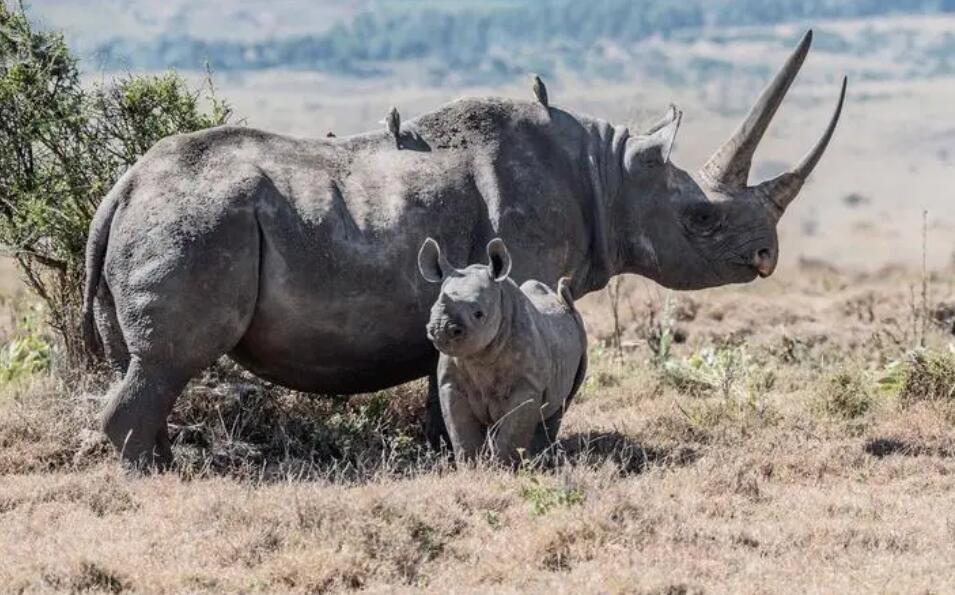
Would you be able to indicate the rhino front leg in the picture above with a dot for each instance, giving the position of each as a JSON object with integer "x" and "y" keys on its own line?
{"x": 465, "y": 432}
{"x": 435, "y": 429}
{"x": 511, "y": 436}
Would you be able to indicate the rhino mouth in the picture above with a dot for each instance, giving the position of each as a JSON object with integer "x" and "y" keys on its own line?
{"x": 747, "y": 271}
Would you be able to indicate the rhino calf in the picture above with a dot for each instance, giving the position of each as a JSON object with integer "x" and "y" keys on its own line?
{"x": 511, "y": 358}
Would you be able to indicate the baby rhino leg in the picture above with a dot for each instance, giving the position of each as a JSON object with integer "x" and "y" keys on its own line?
{"x": 511, "y": 435}
{"x": 546, "y": 433}
{"x": 466, "y": 432}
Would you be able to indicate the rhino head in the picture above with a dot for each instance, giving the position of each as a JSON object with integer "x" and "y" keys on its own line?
{"x": 467, "y": 315}
{"x": 690, "y": 231}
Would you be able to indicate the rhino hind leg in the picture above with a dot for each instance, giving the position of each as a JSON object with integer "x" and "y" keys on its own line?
{"x": 135, "y": 418}
{"x": 177, "y": 311}
{"x": 167, "y": 349}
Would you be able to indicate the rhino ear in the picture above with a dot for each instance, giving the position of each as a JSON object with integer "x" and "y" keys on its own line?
{"x": 498, "y": 259}
{"x": 432, "y": 264}
{"x": 668, "y": 117}
{"x": 654, "y": 148}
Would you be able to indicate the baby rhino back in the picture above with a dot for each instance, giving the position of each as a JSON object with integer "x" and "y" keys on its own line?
{"x": 563, "y": 340}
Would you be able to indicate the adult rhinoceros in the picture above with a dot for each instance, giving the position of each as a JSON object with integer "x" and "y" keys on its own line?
{"x": 297, "y": 257}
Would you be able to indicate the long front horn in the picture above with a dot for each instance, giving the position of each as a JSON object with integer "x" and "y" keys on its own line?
{"x": 782, "y": 189}
{"x": 729, "y": 166}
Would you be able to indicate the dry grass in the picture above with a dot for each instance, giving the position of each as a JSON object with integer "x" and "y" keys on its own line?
{"x": 815, "y": 481}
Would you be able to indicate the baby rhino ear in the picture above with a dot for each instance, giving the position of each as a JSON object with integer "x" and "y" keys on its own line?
{"x": 498, "y": 259}
{"x": 432, "y": 264}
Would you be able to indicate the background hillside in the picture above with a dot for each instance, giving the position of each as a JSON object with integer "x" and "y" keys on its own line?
{"x": 472, "y": 42}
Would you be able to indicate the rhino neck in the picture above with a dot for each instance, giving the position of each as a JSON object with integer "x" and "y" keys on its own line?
{"x": 604, "y": 155}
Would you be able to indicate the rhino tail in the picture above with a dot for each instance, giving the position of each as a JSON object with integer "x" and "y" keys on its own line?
{"x": 579, "y": 376}
{"x": 96, "y": 245}
{"x": 563, "y": 290}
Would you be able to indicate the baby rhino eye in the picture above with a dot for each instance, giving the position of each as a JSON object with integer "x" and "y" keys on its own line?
{"x": 478, "y": 315}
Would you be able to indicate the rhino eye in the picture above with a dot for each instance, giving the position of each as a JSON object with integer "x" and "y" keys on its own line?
{"x": 478, "y": 315}
{"x": 703, "y": 218}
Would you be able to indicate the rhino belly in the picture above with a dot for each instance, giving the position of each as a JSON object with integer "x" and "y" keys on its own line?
{"x": 309, "y": 340}
{"x": 355, "y": 369}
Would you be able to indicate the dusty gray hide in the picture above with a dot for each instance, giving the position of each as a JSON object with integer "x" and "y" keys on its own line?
{"x": 296, "y": 257}
{"x": 511, "y": 357}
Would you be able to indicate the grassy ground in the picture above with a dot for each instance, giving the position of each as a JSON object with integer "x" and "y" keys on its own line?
{"x": 779, "y": 437}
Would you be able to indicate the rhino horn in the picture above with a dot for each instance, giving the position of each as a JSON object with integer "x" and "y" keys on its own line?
{"x": 729, "y": 166}
{"x": 781, "y": 190}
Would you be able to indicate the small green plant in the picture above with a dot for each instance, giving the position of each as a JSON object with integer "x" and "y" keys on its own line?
{"x": 728, "y": 371}
{"x": 27, "y": 352}
{"x": 544, "y": 498}
{"x": 847, "y": 394}
{"x": 661, "y": 336}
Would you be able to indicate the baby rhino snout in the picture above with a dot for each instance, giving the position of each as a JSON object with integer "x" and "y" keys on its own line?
{"x": 444, "y": 332}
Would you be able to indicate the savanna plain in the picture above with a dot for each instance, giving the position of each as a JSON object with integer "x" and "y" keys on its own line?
{"x": 791, "y": 435}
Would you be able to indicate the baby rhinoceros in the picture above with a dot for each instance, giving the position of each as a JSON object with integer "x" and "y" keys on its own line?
{"x": 511, "y": 358}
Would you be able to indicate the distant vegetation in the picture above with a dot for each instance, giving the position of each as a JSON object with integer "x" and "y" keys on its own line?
{"x": 489, "y": 41}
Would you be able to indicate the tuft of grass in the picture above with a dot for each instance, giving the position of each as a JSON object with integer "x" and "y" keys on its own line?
{"x": 922, "y": 375}
{"x": 544, "y": 498}
{"x": 728, "y": 371}
{"x": 846, "y": 394}
{"x": 230, "y": 422}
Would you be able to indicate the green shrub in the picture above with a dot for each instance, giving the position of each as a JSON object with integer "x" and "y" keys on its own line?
{"x": 922, "y": 375}
{"x": 62, "y": 147}
{"x": 28, "y": 351}
{"x": 847, "y": 394}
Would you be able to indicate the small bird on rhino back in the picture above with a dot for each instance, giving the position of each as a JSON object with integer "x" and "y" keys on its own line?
{"x": 393, "y": 122}
{"x": 540, "y": 91}
{"x": 511, "y": 358}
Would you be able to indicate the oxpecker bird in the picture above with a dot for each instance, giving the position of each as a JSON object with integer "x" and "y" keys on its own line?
{"x": 330, "y": 134}
{"x": 540, "y": 91}
{"x": 393, "y": 121}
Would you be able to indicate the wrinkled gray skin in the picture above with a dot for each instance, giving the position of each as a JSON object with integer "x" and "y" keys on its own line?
{"x": 511, "y": 357}
{"x": 297, "y": 256}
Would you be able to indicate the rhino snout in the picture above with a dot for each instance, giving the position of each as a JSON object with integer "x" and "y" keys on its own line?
{"x": 445, "y": 333}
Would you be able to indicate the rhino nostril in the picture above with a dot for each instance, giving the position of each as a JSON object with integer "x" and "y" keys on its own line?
{"x": 457, "y": 331}
{"x": 763, "y": 262}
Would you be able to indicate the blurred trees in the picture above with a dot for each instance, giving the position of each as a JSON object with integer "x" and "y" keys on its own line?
{"x": 483, "y": 38}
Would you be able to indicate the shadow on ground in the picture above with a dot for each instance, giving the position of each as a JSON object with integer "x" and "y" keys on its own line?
{"x": 625, "y": 453}
{"x": 882, "y": 447}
